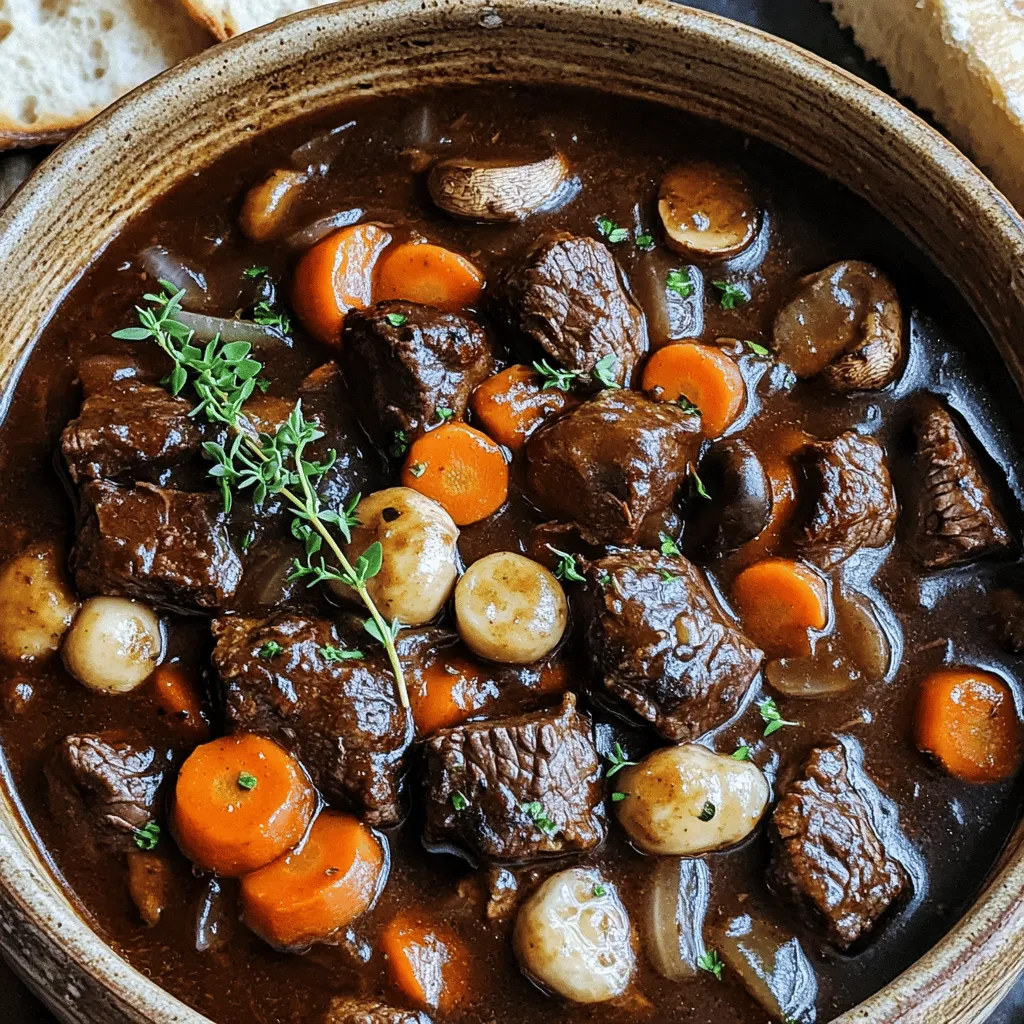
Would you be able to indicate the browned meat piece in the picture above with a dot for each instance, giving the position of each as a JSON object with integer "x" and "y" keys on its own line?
{"x": 404, "y": 362}
{"x": 827, "y": 850}
{"x": 352, "y": 1010}
{"x": 847, "y": 496}
{"x": 568, "y": 297}
{"x": 150, "y": 884}
{"x": 106, "y": 786}
{"x": 658, "y": 643}
{"x": 954, "y": 518}
{"x": 517, "y": 789}
{"x": 125, "y": 426}
{"x": 611, "y": 462}
{"x": 163, "y": 546}
{"x": 341, "y": 718}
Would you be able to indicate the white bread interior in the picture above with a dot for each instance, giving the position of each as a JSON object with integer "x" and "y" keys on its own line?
{"x": 227, "y": 18}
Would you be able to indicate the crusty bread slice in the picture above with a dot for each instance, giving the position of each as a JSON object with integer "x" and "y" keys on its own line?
{"x": 62, "y": 61}
{"x": 227, "y": 18}
{"x": 962, "y": 60}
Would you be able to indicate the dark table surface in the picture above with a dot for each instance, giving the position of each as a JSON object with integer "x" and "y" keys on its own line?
{"x": 808, "y": 23}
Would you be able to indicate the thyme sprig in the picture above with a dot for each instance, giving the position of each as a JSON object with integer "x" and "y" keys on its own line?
{"x": 223, "y": 376}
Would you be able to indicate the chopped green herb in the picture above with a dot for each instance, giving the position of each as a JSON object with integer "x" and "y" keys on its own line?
{"x": 687, "y": 406}
{"x": 618, "y": 760}
{"x": 535, "y": 811}
{"x": 645, "y": 242}
{"x": 271, "y": 649}
{"x": 604, "y": 579}
{"x": 680, "y": 282}
{"x": 669, "y": 546}
{"x": 771, "y": 716}
{"x": 459, "y": 801}
{"x": 254, "y": 272}
{"x": 247, "y": 781}
{"x": 555, "y": 378}
{"x": 607, "y": 228}
{"x": 331, "y": 653}
{"x": 247, "y": 540}
{"x": 699, "y": 484}
{"x": 390, "y": 631}
{"x": 758, "y": 350}
{"x": 599, "y": 891}
{"x": 418, "y": 469}
{"x": 263, "y": 384}
{"x": 396, "y": 319}
{"x": 733, "y": 295}
{"x": 268, "y": 316}
{"x": 604, "y": 371}
{"x": 443, "y": 414}
{"x": 566, "y": 568}
{"x": 148, "y": 836}
{"x": 711, "y": 963}
{"x": 618, "y": 797}
{"x": 399, "y": 444}
{"x": 707, "y": 812}
{"x": 741, "y": 754}
{"x": 668, "y": 577}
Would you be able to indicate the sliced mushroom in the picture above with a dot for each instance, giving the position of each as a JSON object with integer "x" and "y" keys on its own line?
{"x": 495, "y": 190}
{"x": 707, "y": 210}
{"x": 267, "y": 203}
{"x": 844, "y": 323}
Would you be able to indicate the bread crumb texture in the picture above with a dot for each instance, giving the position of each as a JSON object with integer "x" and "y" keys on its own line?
{"x": 62, "y": 61}
{"x": 962, "y": 60}
{"x": 227, "y": 18}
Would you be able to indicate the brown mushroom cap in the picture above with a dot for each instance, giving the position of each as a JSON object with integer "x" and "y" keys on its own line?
{"x": 495, "y": 190}
{"x": 707, "y": 210}
{"x": 844, "y": 323}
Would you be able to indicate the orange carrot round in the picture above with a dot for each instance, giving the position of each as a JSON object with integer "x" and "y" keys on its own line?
{"x": 780, "y": 602}
{"x": 178, "y": 695}
{"x": 309, "y": 893}
{"x": 702, "y": 374}
{"x": 240, "y": 802}
{"x": 967, "y": 721}
{"x": 430, "y": 275}
{"x": 462, "y": 469}
{"x": 512, "y": 404}
{"x": 427, "y": 962}
{"x": 336, "y": 275}
{"x": 446, "y": 691}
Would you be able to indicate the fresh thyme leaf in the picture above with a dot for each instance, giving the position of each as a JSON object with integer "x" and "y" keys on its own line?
{"x": 371, "y": 627}
{"x": 710, "y": 962}
{"x": 147, "y": 837}
{"x": 604, "y": 371}
{"x": 417, "y": 469}
{"x": 669, "y": 546}
{"x": 707, "y": 812}
{"x": 270, "y": 650}
{"x": 618, "y": 797}
{"x": 611, "y": 231}
{"x": 668, "y": 577}
{"x": 263, "y": 384}
{"x": 459, "y": 801}
{"x": 680, "y": 282}
{"x": 559, "y": 379}
{"x": 699, "y": 484}
{"x": 535, "y": 811}
{"x": 399, "y": 444}
{"x": 618, "y": 760}
{"x": 270, "y": 316}
{"x": 645, "y": 243}
{"x": 732, "y": 295}
{"x": 331, "y": 653}
{"x": 443, "y": 415}
{"x": 255, "y": 272}
{"x": 566, "y": 568}
{"x": 248, "y": 539}
{"x": 741, "y": 754}
{"x": 687, "y": 406}
{"x": 247, "y": 780}
{"x": 758, "y": 350}
{"x": 396, "y": 319}
{"x": 604, "y": 578}
{"x": 599, "y": 891}
{"x": 772, "y": 717}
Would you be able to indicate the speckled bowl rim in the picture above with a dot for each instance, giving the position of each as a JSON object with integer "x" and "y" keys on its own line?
{"x": 40, "y": 931}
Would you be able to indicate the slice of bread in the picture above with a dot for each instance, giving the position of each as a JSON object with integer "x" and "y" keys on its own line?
{"x": 62, "y": 61}
{"x": 961, "y": 60}
{"x": 227, "y": 18}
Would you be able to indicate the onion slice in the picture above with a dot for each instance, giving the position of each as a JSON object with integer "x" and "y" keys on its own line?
{"x": 677, "y": 905}
{"x": 207, "y": 327}
{"x": 164, "y": 266}
{"x": 321, "y": 228}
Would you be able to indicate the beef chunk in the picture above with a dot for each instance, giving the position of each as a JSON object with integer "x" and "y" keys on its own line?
{"x": 826, "y": 847}
{"x": 568, "y": 298}
{"x": 164, "y": 546}
{"x": 531, "y": 786}
{"x": 106, "y": 786}
{"x": 126, "y": 426}
{"x": 405, "y": 361}
{"x": 342, "y": 719}
{"x": 954, "y": 518}
{"x": 352, "y": 1010}
{"x": 611, "y": 462}
{"x": 847, "y": 496}
{"x": 659, "y": 644}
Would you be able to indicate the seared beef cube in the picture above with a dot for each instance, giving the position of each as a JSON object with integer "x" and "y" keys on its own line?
{"x": 569, "y": 299}
{"x": 105, "y": 787}
{"x": 404, "y": 362}
{"x": 341, "y": 718}
{"x": 659, "y": 644}
{"x": 611, "y": 462}
{"x": 826, "y": 845}
{"x": 126, "y": 426}
{"x": 848, "y": 498}
{"x": 163, "y": 546}
{"x": 516, "y": 789}
{"x": 954, "y": 518}
{"x": 352, "y": 1010}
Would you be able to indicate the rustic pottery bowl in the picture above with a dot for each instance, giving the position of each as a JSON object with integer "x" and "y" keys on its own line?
{"x": 85, "y": 193}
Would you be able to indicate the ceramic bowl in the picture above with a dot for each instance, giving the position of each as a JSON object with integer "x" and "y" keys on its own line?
{"x": 86, "y": 192}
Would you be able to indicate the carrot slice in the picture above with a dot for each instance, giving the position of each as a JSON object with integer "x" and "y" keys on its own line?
{"x": 446, "y": 691}
{"x": 966, "y": 719}
{"x": 427, "y": 962}
{"x": 178, "y": 695}
{"x": 705, "y": 376}
{"x": 462, "y": 469}
{"x": 429, "y": 275}
{"x": 779, "y": 602}
{"x": 512, "y": 404}
{"x": 336, "y": 275}
{"x": 239, "y": 803}
{"x": 309, "y": 893}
